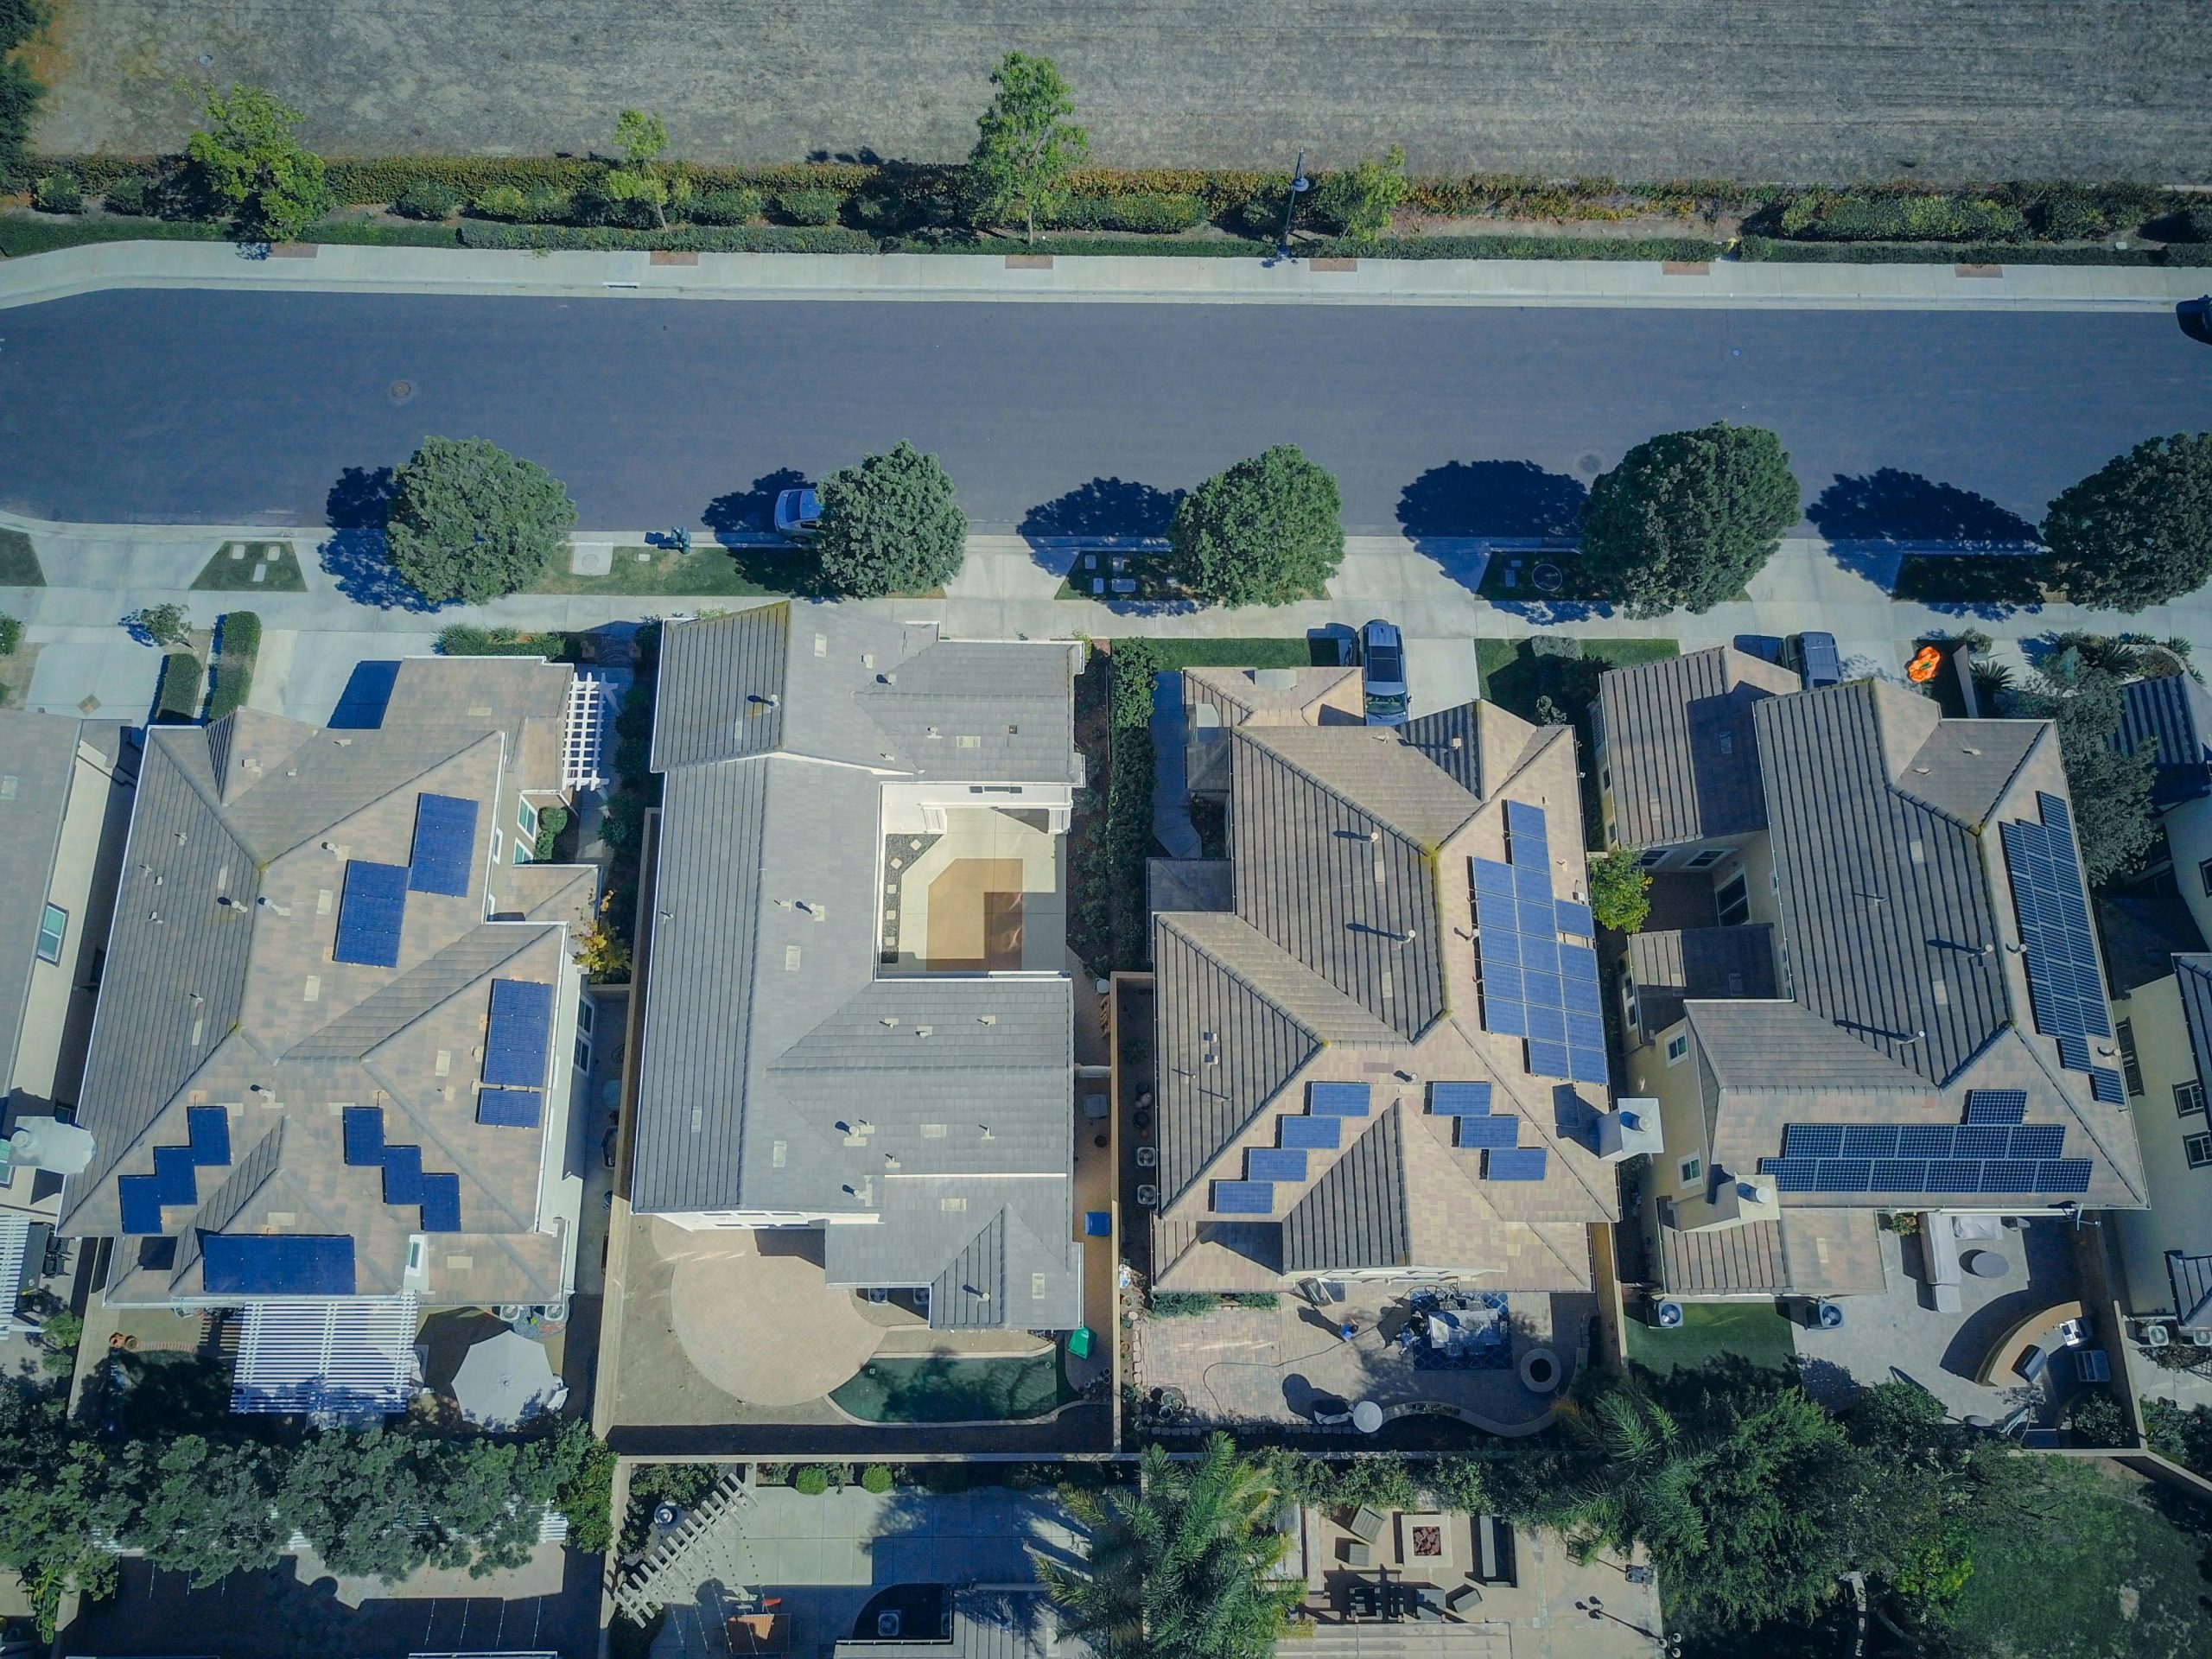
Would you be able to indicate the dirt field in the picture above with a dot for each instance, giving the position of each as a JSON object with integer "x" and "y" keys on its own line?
{"x": 1783, "y": 90}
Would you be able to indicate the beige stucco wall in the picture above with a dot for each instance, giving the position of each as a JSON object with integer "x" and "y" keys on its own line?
{"x": 53, "y": 1007}
{"x": 2180, "y": 1216}
{"x": 1681, "y": 1114}
{"x": 2189, "y": 834}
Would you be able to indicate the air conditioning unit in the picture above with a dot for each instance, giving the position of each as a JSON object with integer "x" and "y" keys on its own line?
{"x": 1148, "y": 1198}
{"x": 2202, "y": 1339}
{"x": 1147, "y": 1157}
{"x": 2153, "y": 1335}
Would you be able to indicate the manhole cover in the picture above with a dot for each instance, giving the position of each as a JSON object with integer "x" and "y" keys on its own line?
{"x": 402, "y": 390}
{"x": 1588, "y": 464}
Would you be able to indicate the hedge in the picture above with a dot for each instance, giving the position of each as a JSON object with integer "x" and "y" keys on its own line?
{"x": 462, "y": 640}
{"x": 371, "y": 233}
{"x": 1151, "y": 215}
{"x": 1857, "y": 216}
{"x": 20, "y": 237}
{"x": 746, "y": 238}
{"x": 1185, "y": 247}
{"x": 240, "y": 638}
{"x": 2021, "y": 253}
{"x": 177, "y": 698}
{"x": 1522, "y": 247}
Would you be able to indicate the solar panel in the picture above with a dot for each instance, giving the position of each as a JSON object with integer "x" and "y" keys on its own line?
{"x": 1996, "y": 1105}
{"x": 1924, "y": 1140}
{"x": 1524, "y": 822}
{"x": 1870, "y": 1141}
{"x": 1547, "y": 1024}
{"x": 1843, "y": 1175}
{"x": 1532, "y": 885}
{"x": 1589, "y": 1066}
{"x": 1543, "y": 990}
{"x": 261, "y": 1264}
{"x": 1506, "y": 982}
{"x": 1578, "y": 961}
{"x": 521, "y": 1030}
{"x": 1790, "y": 1174}
{"x": 208, "y": 1131}
{"x": 1507, "y": 1016}
{"x": 2063, "y": 1175}
{"x": 2073, "y": 1052}
{"x": 1337, "y": 1099}
{"x": 1243, "y": 1198}
{"x": 141, "y": 1199}
{"x": 1503, "y": 1130}
{"x": 369, "y": 913}
{"x": 1459, "y": 1099}
{"x": 441, "y": 1204}
{"x": 1315, "y": 1133}
{"x": 1515, "y": 1163}
{"x": 1546, "y": 1059}
{"x": 2105, "y": 1085}
{"x": 514, "y": 1108}
{"x": 1274, "y": 1163}
{"x": 1980, "y": 1141}
{"x": 1492, "y": 877}
{"x": 364, "y": 1134}
{"x": 1899, "y": 1175}
{"x": 1574, "y": 917}
{"x": 2053, "y": 811}
{"x": 1954, "y": 1175}
{"x": 2037, "y": 1141}
{"x": 1536, "y": 920}
{"x": 2008, "y": 1175}
{"x": 1812, "y": 1140}
{"x": 1581, "y": 996}
{"x": 2065, "y": 992}
{"x": 175, "y": 1176}
{"x": 1585, "y": 1031}
{"x": 444, "y": 855}
{"x": 403, "y": 1174}
{"x": 1539, "y": 955}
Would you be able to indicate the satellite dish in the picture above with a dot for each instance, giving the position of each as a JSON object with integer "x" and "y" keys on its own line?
{"x": 1367, "y": 1417}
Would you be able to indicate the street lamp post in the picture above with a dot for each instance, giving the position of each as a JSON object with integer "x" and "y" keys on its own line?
{"x": 1594, "y": 1607}
{"x": 1300, "y": 184}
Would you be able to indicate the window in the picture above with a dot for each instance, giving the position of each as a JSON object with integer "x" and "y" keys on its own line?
{"x": 1628, "y": 996}
{"x": 526, "y": 819}
{"x": 2198, "y": 1148}
{"x": 2128, "y": 1062}
{"x": 1678, "y": 1046}
{"x": 1651, "y": 858}
{"x": 583, "y": 1053}
{"x": 1734, "y": 901}
{"x": 1708, "y": 857}
{"x": 52, "y": 926}
{"x": 1692, "y": 1168}
{"x": 495, "y": 844}
{"x": 585, "y": 1014}
{"x": 2204, "y": 875}
{"x": 2188, "y": 1099}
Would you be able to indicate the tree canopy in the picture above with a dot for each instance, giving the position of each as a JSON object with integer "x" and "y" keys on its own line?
{"x": 1178, "y": 1562}
{"x": 19, "y": 91}
{"x": 1688, "y": 517}
{"x": 1620, "y": 890}
{"x": 471, "y": 522}
{"x": 2114, "y": 820}
{"x": 891, "y": 526}
{"x": 1264, "y": 532}
{"x": 248, "y": 158}
{"x": 2138, "y": 532}
{"x": 1360, "y": 200}
{"x": 1025, "y": 146}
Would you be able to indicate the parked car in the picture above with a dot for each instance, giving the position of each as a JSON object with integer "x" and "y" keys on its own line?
{"x": 1384, "y": 653}
{"x": 1336, "y": 643}
{"x": 1767, "y": 647}
{"x": 1814, "y": 656}
{"x": 798, "y": 514}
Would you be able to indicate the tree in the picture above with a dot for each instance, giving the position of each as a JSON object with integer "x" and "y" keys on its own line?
{"x": 58, "y": 1500}
{"x": 1360, "y": 202}
{"x": 359, "y": 1500}
{"x": 2114, "y": 821}
{"x": 891, "y": 526}
{"x": 642, "y": 136}
{"x": 1025, "y": 146}
{"x": 168, "y": 624}
{"x": 1620, "y": 889}
{"x": 249, "y": 158}
{"x": 471, "y": 522}
{"x": 1688, "y": 517}
{"x": 19, "y": 91}
{"x": 2138, "y": 531}
{"x": 1178, "y": 1562}
{"x": 1264, "y": 532}
{"x": 204, "y": 1508}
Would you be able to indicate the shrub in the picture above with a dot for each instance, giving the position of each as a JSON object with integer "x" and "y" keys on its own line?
{"x": 811, "y": 206}
{"x": 238, "y": 637}
{"x": 248, "y": 158}
{"x": 1183, "y": 1304}
{"x": 551, "y": 821}
{"x": 462, "y": 640}
{"x": 725, "y": 208}
{"x": 943, "y": 1478}
{"x": 2099, "y": 1419}
{"x": 429, "y": 198}
{"x": 59, "y": 193}
{"x": 2185, "y": 1437}
{"x": 1359, "y": 203}
{"x": 165, "y": 625}
{"x": 19, "y": 91}
{"x": 177, "y": 698}
{"x": 1619, "y": 890}
{"x": 2070, "y": 218}
{"x": 736, "y": 238}
{"x": 612, "y": 200}
{"x": 1149, "y": 215}
{"x": 134, "y": 194}
{"x": 240, "y": 633}
{"x": 1857, "y": 216}
{"x": 500, "y": 202}
{"x": 876, "y": 1478}
{"x": 816, "y": 1478}
{"x": 12, "y": 635}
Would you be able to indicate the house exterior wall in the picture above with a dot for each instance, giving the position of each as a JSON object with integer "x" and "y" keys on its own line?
{"x": 2189, "y": 835}
{"x": 1682, "y": 1112}
{"x": 2180, "y": 1216}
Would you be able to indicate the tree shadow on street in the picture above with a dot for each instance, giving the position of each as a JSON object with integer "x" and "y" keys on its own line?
{"x": 1469, "y": 500}
{"x": 1887, "y": 508}
{"x": 751, "y": 512}
{"x": 1105, "y": 509}
{"x": 357, "y": 508}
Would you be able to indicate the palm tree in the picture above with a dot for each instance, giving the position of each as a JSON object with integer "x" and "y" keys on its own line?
{"x": 1178, "y": 1562}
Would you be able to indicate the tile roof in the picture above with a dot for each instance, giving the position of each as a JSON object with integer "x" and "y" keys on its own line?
{"x": 2193, "y": 979}
{"x": 1700, "y": 962}
{"x": 1275, "y": 696}
{"x": 38, "y": 763}
{"x": 1355, "y": 1216}
{"x": 2174, "y": 714}
{"x": 1680, "y": 746}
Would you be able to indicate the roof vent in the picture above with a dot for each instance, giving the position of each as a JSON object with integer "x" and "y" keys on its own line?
{"x": 1275, "y": 679}
{"x": 1970, "y": 749}
{"x": 987, "y": 1019}
{"x": 886, "y": 679}
{"x": 1458, "y": 742}
{"x": 925, "y": 1031}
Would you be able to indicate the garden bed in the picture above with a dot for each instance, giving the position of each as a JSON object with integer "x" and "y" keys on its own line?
{"x": 942, "y": 1390}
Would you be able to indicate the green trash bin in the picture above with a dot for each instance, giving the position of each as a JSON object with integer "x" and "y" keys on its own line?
{"x": 1079, "y": 1342}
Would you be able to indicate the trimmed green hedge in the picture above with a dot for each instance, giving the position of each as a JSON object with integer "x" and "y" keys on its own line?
{"x": 177, "y": 698}
{"x": 1150, "y": 215}
{"x": 1858, "y": 216}
{"x": 746, "y": 238}
{"x": 239, "y": 639}
{"x": 370, "y": 233}
{"x": 1921, "y": 253}
{"x": 1184, "y": 247}
{"x": 1688, "y": 248}
{"x": 462, "y": 640}
{"x": 20, "y": 237}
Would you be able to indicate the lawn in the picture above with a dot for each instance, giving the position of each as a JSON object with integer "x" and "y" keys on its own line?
{"x": 1262, "y": 652}
{"x": 252, "y": 567}
{"x": 1515, "y": 674}
{"x": 1972, "y": 578}
{"x": 712, "y": 570}
{"x": 1147, "y": 571}
{"x": 19, "y": 566}
{"x": 941, "y": 1390}
{"x": 1711, "y": 1332}
{"x": 2088, "y": 1566}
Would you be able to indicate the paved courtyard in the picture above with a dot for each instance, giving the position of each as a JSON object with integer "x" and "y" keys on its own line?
{"x": 1644, "y": 89}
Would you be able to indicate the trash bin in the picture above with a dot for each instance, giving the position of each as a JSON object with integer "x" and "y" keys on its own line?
{"x": 1079, "y": 1342}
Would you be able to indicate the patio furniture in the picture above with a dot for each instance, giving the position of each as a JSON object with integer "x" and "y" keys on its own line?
{"x": 1367, "y": 1525}
{"x": 1939, "y": 1261}
{"x": 506, "y": 1379}
{"x": 2008, "y": 1353}
{"x": 1987, "y": 1264}
{"x": 1359, "y": 1554}
{"x": 2092, "y": 1365}
{"x": 2074, "y": 1332}
{"x": 1367, "y": 1417}
{"x": 1494, "y": 1560}
{"x": 1466, "y": 1596}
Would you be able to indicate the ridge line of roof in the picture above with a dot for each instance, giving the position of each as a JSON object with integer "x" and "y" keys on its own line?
{"x": 1257, "y": 736}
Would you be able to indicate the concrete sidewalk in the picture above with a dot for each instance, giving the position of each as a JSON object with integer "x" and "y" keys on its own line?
{"x": 1724, "y": 283}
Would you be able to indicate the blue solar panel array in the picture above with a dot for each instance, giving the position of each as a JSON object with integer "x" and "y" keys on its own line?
{"x": 2064, "y": 990}
{"x": 520, "y": 1035}
{"x": 370, "y": 914}
{"x": 437, "y": 1194}
{"x": 514, "y": 1108}
{"x": 1492, "y": 1132}
{"x": 1337, "y": 1099}
{"x": 1274, "y": 1164}
{"x": 176, "y": 1179}
{"x": 291, "y": 1264}
{"x": 1459, "y": 1099}
{"x": 1996, "y": 1105}
{"x": 1244, "y": 1197}
{"x": 444, "y": 856}
{"x": 1314, "y": 1133}
{"x": 1515, "y": 1163}
{"x": 1965, "y": 1158}
{"x": 1535, "y": 985}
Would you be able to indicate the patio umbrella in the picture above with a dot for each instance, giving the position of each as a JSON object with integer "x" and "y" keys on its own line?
{"x": 506, "y": 1379}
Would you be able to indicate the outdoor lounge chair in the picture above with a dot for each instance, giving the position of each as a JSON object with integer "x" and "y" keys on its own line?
{"x": 1359, "y": 1554}
{"x": 1367, "y": 1525}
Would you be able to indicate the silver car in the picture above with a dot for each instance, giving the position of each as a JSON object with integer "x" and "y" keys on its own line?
{"x": 798, "y": 514}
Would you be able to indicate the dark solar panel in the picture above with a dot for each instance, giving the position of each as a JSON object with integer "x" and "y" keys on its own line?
{"x": 1491, "y": 1132}
{"x": 1542, "y": 990}
{"x": 1314, "y": 1133}
{"x": 207, "y": 1130}
{"x": 1503, "y": 982}
{"x": 1996, "y": 1105}
{"x": 1899, "y": 1175}
{"x": 403, "y": 1174}
{"x": 444, "y": 855}
{"x": 1585, "y": 1031}
{"x": 1954, "y": 1175}
{"x": 1790, "y": 1174}
{"x": 1980, "y": 1141}
{"x": 1580, "y": 996}
{"x": 1515, "y": 1163}
{"x": 1525, "y": 824}
{"x": 2074, "y": 1051}
{"x": 1492, "y": 877}
{"x": 369, "y": 913}
{"x": 2008, "y": 1175}
{"x": 1539, "y": 955}
{"x": 1337, "y": 1099}
{"x": 1812, "y": 1140}
{"x": 1537, "y": 920}
{"x": 520, "y": 1032}
{"x": 1500, "y": 949}
{"x": 1924, "y": 1140}
{"x": 175, "y": 1176}
{"x": 2037, "y": 1141}
{"x": 1532, "y": 885}
{"x": 2065, "y": 993}
{"x": 514, "y": 1108}
{"x": 141, "y": 1199}
{"x": 1843, "y": 1175}
{"x": 1459, "y": 1099}
{"x": 1508, "y": 1016}
{"x": 1274, "y": 1163}
{"x": 260, "y": 1264}
{"x": 1546, "y": 1059}
{"x": 1589, "y": 1066}
{"x": 364, "y": 1134}
{"x": 441, "y": 1204}
{"x": 1244, "y": 1197}
{"x": 2063, "y": 1175}
{"x": 1574, "y": 918}
{"x": 2105, "y": 1083}
{"x": 1547, "y": 1024}
{"x": 1869, "y": 1140}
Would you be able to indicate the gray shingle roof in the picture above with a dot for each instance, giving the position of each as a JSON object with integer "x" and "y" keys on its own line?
{"x": 2174, "y": 713}
{"x": 1679, "y": 746}
{"x": 1450, "y": 740}
{"x": 2193, "y": 978}
{"x": 38, "y": 756}
{"x": 1355, "y": 1216}
{"x": 1698, "y": 961}
{"x": 1883, "y": 897}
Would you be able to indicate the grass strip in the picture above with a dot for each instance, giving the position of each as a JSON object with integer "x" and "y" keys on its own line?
{"x": 19, "y": 565}
{"x": 231, "y": 570}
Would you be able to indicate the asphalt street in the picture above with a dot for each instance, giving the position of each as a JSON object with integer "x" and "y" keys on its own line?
{"x": 189, "y": 405}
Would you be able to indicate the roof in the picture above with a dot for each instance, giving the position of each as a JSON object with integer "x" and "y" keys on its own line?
{"x": 987, "y": 1623}
{"x": 2173, "y": 713}
{"x": 2193, "y": 979}
{"x": 1700, "y": 962}
{"x": 1275, "y": 696}
{"x": 779, "y": 1071}
{"x": 241, "y": 1048}
{"x": 1807, "y": 1252}
{"x": 38, "y": 760}
{"x": 1680, "y": 746}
